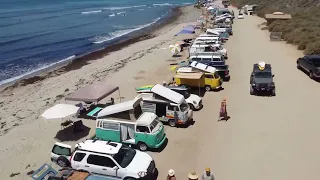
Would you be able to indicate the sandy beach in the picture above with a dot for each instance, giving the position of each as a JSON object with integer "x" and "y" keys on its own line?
{"x": 265, "y": 138}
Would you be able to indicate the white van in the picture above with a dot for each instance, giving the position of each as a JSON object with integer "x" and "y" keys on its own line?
{"x": 169, "y": 106}
{"x": 105, "y": 158}
{"x": 208, "y": 49}
{"x": 215, "y": 58}
{"x": 215, "y": 34}
{"x": 207, "y": 39}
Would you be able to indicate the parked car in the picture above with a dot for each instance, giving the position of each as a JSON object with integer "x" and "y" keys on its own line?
{"x": 104, "y": 158}
{"x": 261, "y": 80}
{"x": 216, "y": 61}
{"x": 194, "y": 101}
{"x": 240, "y": 16}
{"x": 311, "y": 65}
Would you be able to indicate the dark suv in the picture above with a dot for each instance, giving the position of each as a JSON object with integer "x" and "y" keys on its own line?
{"x": 261, "y": 81}
{"x": 311, "y": 65}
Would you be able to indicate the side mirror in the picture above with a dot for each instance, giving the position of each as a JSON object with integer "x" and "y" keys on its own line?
{"x": 115, "y": 168}
{"x": 272, "y": 75}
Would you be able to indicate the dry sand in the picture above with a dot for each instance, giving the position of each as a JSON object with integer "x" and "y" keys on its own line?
{"x": 26, "y": 139}
{"x": 266, "y": 137}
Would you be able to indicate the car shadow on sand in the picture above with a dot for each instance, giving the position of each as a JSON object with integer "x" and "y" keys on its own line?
{"x": 161, "y": 148}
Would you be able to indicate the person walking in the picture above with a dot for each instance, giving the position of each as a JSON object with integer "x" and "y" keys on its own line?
{"x": 193, "y": 176}
{"x": 171, "y": 175}
{"x": 207, "y": 175}
{"x": 223, "y": 110}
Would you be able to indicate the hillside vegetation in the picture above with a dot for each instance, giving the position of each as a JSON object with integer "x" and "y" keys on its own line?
{"x": 302, "y": 30}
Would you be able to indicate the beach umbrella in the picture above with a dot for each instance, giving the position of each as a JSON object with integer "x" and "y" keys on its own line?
{"x": 60, "y": 111}
{"x": 184, "y": 36}
{"x": 175, "y": 49}
{"x": 189, "y": 28}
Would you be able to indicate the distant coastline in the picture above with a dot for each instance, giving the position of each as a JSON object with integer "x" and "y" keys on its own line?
{"x": 74, "y": 63}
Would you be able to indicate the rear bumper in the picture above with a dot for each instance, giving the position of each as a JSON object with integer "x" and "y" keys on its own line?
{"x": 263, "y": 89}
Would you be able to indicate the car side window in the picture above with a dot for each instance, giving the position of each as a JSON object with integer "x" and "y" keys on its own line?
{"x": 209, "y": 76}
{"x": 143, "y": 129}
{"x": 79, "y": 156}
{"x": 100, "y": 161}
{"x": 171, "y": 108}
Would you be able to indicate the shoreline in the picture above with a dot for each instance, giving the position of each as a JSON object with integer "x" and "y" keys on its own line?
{"x": 85, "y": 59}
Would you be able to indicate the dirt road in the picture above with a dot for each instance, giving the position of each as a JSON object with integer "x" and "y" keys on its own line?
{"x": 266, "y": 137}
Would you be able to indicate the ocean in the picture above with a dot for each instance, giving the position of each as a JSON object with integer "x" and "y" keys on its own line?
{"x": 39, "y": 34}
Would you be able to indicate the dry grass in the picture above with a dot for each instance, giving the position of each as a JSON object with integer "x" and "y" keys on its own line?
{"x": 302, "y": 30}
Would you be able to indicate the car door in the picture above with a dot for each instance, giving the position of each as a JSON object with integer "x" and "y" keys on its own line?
{"x": 101, "y": 165}
{"x": 209, "y": 80}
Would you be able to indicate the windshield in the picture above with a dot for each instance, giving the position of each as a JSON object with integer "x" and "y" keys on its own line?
{"x": 184, "y": 107}
{"x": 62, "y": 151}
{"x": 154, "y": 124}
{"x": 263, "y": 74}
{"x": 124, "y": 156}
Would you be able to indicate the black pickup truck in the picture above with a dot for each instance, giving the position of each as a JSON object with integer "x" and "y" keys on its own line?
{"x": 311, "y": 65}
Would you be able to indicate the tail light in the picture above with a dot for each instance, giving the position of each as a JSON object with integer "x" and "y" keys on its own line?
{"x": 226, "y": 72}
{"x": 71, "y": 158}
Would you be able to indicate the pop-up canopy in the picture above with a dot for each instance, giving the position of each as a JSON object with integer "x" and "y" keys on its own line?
{"x": 93, "y": 93}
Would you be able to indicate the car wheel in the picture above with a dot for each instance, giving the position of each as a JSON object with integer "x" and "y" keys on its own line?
{"x": 207, "y": 88}
{"x": 172, "y": 123}
{"x": 273, "y": 93}
{"x": 251, "y": 91}
{"x": 192, "y": 106}
{"x": 311, "y": 75}
{"x": 142, "y": 146}
{"x": 129, "y": 178}
{"x": 63, "y": 161}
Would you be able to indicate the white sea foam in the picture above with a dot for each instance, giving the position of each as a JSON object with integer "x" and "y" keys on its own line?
{"x": 123, "y": 12}
{"x": 117, "y": 8}
{"x": 111, "y": 15}
{"x": 116, "y": 34}
{"x": 140, "y": 9}
{"x": 40, "y": 68}
{"x": 139, "y": 6}
{"x": 163, "y": 4}
{"x": 90, "y": 12}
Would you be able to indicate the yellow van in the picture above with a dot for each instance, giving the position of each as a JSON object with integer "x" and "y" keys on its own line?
{"x": 209, "y": 81}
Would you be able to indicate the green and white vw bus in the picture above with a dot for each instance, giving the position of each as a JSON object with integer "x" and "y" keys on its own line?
{"x": 126, "y": 123}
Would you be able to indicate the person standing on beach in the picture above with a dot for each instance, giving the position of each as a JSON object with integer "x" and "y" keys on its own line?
{"x": 193, "y": 176}
{"x": 171, "y": 175}
{"x": 223, "y": 110}
{"x": 207, "y": 175}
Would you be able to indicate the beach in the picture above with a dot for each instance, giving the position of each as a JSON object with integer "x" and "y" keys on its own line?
{"x": 28, "y": 139}
{"x": 265, "y": 137}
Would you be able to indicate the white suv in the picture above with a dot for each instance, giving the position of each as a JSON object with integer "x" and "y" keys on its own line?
{"x": 105, "y": 158}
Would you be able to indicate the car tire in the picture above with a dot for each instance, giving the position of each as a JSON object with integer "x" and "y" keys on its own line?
{"x": 311, "y": 75}
{"x": 63, "y": 162}
{"x": 251, "y": 91}
{"x": 207, "y": 88}
{"x": 172, "y": 123}
{"x": 192, "y": 107}
{"x": 129, "y": 178}
{"x": 273, "y": 92}
{"x": 142, "y": 146}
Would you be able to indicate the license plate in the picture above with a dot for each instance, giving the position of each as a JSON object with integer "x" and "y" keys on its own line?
{"x": 263, "y": 88}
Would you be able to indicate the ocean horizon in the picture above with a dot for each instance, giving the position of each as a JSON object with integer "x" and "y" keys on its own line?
{"x": 37, "y": 35}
